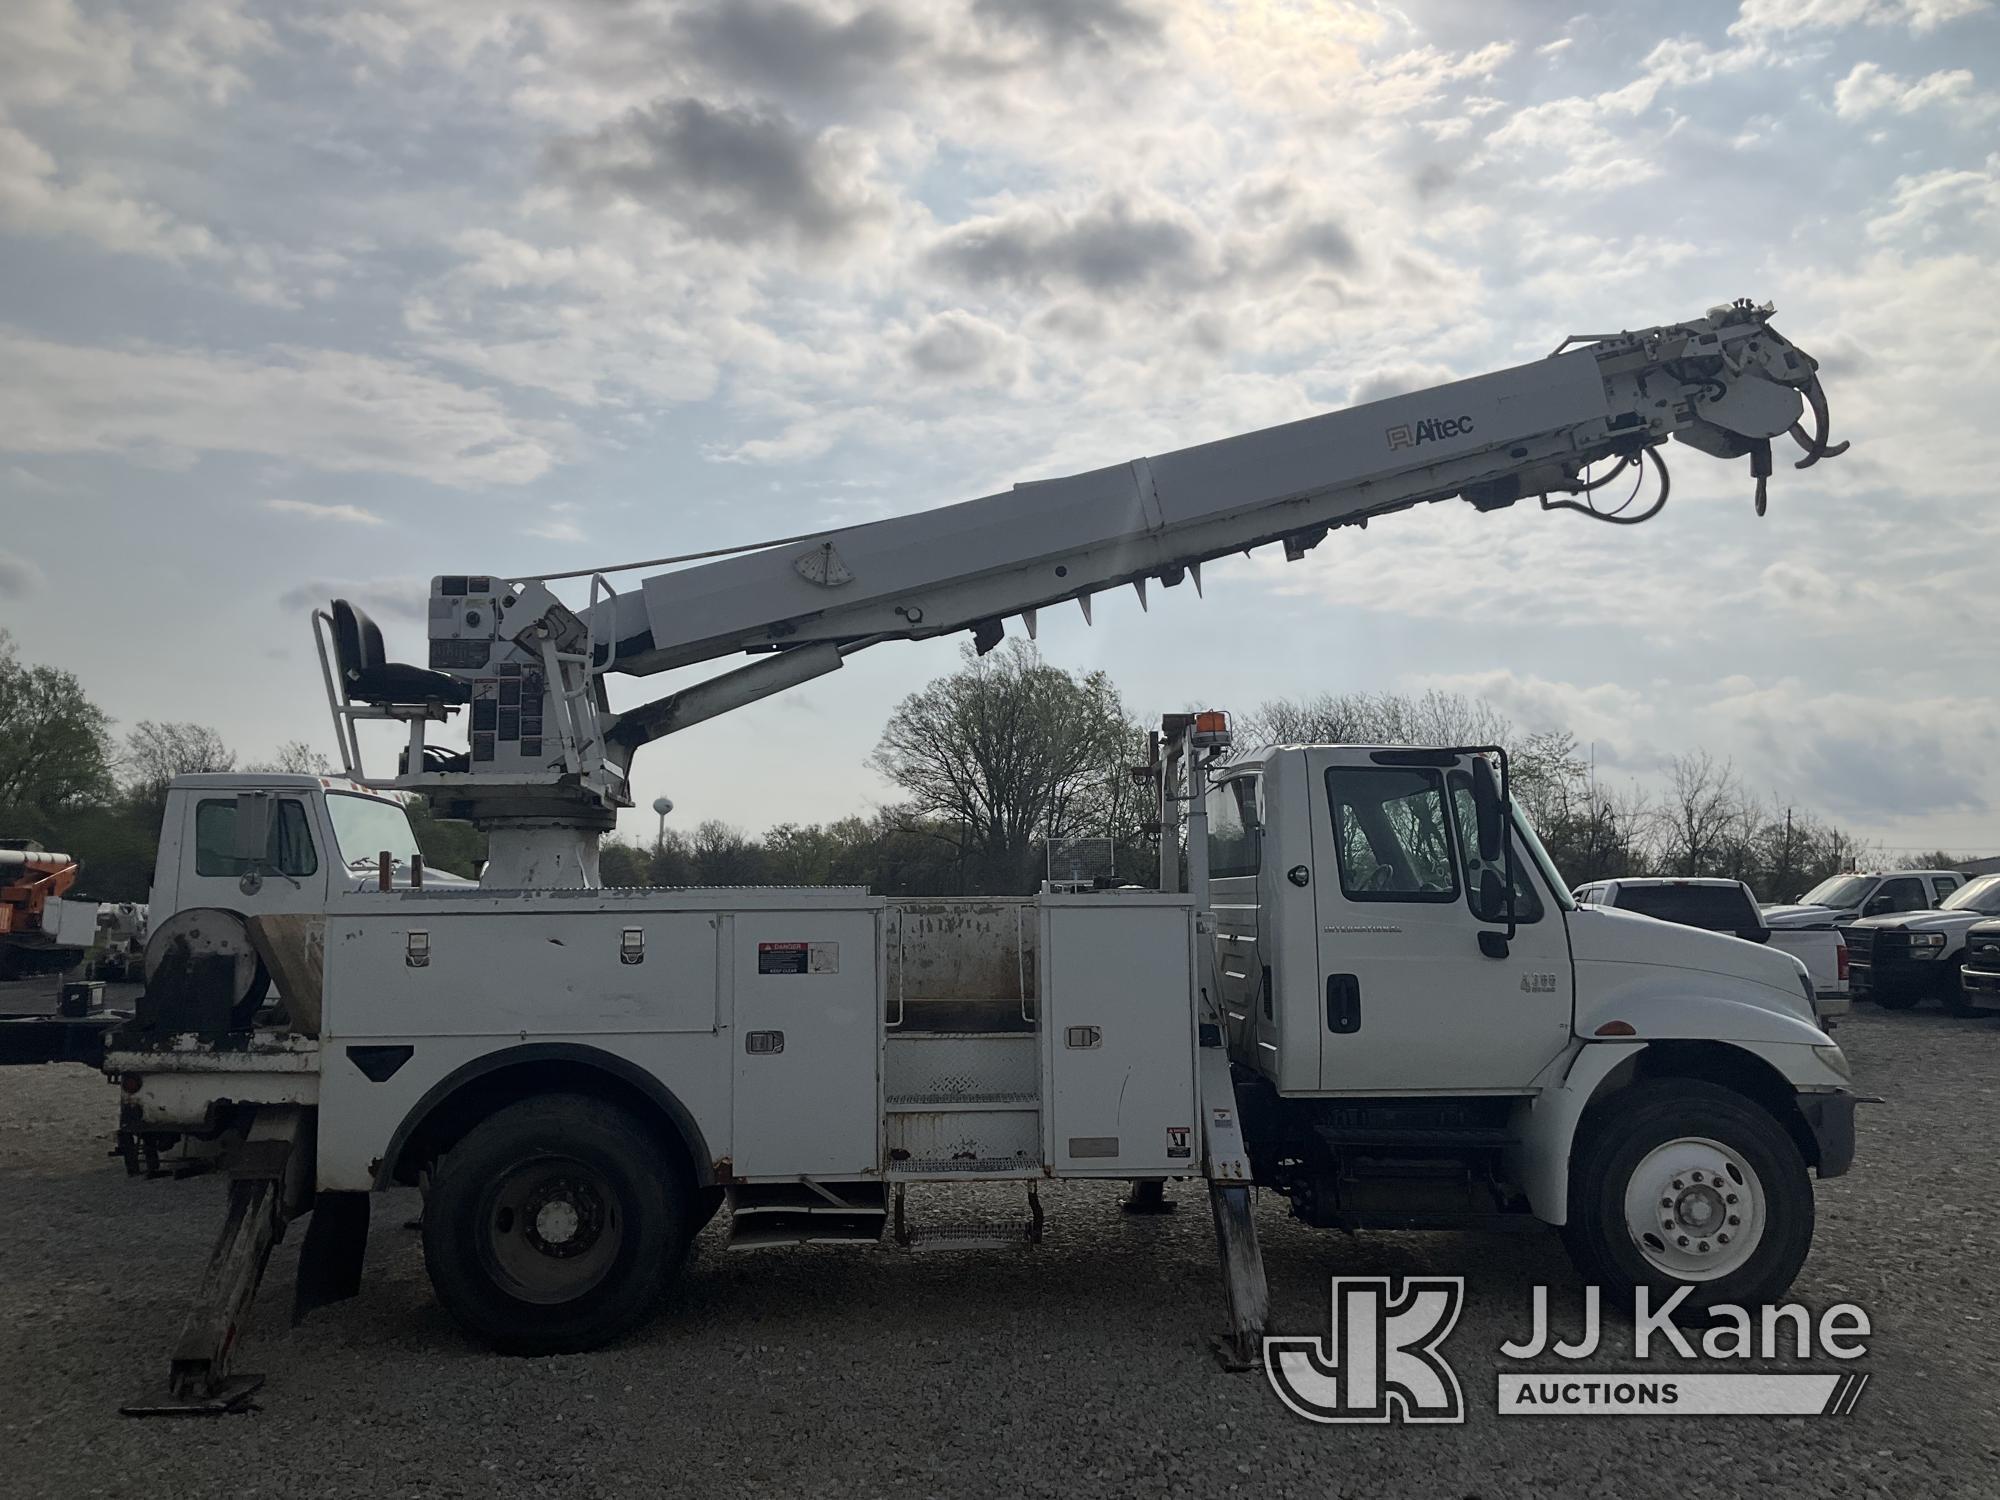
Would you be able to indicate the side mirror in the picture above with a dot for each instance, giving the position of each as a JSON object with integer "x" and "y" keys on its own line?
{"x": 1493, "y": 895}
{"x": 253, "y": 829}
{"x": 1488, "y": 812}
{"x": 1879, "y": 905}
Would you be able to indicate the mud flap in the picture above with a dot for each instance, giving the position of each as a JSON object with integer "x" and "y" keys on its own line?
{"x": 335, "y": 1246}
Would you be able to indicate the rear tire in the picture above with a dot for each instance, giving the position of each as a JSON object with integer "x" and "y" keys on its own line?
{"x": 1684, "y": 1183}
{"x": 555, "y": 1225}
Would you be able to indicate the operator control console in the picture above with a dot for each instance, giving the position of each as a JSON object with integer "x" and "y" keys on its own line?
{"x": 474, "y": 619}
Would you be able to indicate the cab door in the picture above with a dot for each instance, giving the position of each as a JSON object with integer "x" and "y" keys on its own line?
{"x": 293, "y": 878}
{"x": 1410, "y": 1004}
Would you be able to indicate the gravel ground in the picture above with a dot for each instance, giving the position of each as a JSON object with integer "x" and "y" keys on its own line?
{"x": 1079, "y": 1368}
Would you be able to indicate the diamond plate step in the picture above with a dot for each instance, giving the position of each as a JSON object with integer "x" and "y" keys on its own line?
{"x": 999, "y": 1236}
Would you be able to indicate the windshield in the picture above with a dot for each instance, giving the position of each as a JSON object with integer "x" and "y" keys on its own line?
{"x": 1558, "y": 887}
{"x": 1842, "y": 890}
{"x": 1982, "y": 895}
{"x": 365, "y": 826}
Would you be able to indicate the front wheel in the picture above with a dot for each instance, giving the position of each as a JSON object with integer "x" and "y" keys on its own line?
{"x": 1951, "y": 991}
{"x": 1684, "y": 1183}
{"x": 555, "y": 1225}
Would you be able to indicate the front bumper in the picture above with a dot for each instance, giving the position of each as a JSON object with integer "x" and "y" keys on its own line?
{"x": 1895, "y": 975}
{"x": 1830, "y": 1117}
{"x": 1981, "y": 982}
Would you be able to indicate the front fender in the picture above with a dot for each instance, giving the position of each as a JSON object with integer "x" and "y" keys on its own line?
{"x": 1657, "y": 1003}
{"x": 1544, "y": 1126}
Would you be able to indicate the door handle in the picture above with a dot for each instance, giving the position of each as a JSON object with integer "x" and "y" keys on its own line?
{"x": 1343, "y": 1003}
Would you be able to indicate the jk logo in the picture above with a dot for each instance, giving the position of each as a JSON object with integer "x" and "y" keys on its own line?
{"x": 1379, "y": 1361}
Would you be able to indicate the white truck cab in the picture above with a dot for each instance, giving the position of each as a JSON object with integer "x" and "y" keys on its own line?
{"x": 326, "y": 836}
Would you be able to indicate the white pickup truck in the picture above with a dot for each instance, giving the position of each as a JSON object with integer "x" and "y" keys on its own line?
{"x": 1719, "y": 905}
{"x": 1840, "y": 899}
{"x": 1903, "y": 957}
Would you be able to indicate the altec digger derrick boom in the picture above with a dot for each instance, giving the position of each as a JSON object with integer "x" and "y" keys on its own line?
{"x": 545, "y": 767}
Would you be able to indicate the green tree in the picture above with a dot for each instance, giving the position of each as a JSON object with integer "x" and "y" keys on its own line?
{"x": 55, "y": 744}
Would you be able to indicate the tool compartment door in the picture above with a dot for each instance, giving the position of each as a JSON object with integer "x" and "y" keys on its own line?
{"x": 1118, "y": 1034}
{"x": 806, "y": 1041}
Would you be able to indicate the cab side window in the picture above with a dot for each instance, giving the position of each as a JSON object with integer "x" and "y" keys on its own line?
{"x": 290, "y": 851}
{"x": 1235, "y": 839}
{"x": 1905, "y": 893}
{"x": 1391, "y": 834}
{"x": 1946, "y": 884}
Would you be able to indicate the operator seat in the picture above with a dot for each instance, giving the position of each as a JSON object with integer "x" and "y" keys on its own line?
{"x": 367, "y": 673}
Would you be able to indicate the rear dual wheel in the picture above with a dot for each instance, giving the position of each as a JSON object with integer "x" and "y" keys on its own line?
{"x": 556, "y": 1224}
{"x": 1684, "y": 1183}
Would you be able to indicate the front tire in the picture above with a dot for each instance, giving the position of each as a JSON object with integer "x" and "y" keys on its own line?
{"x": 1684, "y": 1183}
{"x": 1951, "y": 991}
{"x": 555, "y": 1225}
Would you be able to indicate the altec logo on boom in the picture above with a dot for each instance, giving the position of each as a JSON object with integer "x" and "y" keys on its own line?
{"x": 1381, "y": 1359}
{"x": 1430, "y": 430}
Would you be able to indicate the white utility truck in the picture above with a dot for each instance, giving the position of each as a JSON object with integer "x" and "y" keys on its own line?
{"x": 1374, "y": 996}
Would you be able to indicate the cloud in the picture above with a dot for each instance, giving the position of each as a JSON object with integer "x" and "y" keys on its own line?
{"x": 736, "y": 174}
{"x": 352, "y": 515}
{"x": 34, "y": 200}
{"x": 319, "y": 408}
{"x": 389, "y": 598}
{"x": 1111, "y": 247}
{"x": 1576, "y": 133}
{"x": 1781, "y": 17}
{"x": 1868, "y": 90}
{"x": 1928, "y": 205}
{"x": 1396, "y": 380}
{"x": 19, "y": 578}
{"x": 797, "y": 50}
{"x": 957, "y": 344}
{"x": 1066, "y": 25}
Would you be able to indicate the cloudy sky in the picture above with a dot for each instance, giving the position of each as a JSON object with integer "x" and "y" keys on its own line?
{"x": 300, "y": 297}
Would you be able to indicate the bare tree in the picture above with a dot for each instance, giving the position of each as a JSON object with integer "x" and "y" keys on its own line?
{"x": 1010, "y": 749}
{"x": 156, "y": 753}
{"x": 294, "y": 757}
{"x": 1703, "y": 808}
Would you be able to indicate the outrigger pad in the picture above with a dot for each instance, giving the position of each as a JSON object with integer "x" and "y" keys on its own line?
{"x": 232, "y": 1395}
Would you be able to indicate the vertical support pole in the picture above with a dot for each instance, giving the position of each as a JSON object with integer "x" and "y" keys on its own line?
{"x": 1197, "y": 816}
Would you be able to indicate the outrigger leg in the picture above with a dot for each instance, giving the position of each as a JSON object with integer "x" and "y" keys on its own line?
{"x": 1229, "y": 1196}
{"x": 269, "y": 1175}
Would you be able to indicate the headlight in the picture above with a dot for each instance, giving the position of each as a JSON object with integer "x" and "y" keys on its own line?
{"x": 1835, "y": 1059}
{"x": 1926, "y": 944}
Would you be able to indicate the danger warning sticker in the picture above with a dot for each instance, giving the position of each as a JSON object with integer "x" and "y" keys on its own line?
{"x": 798, "y": 958}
